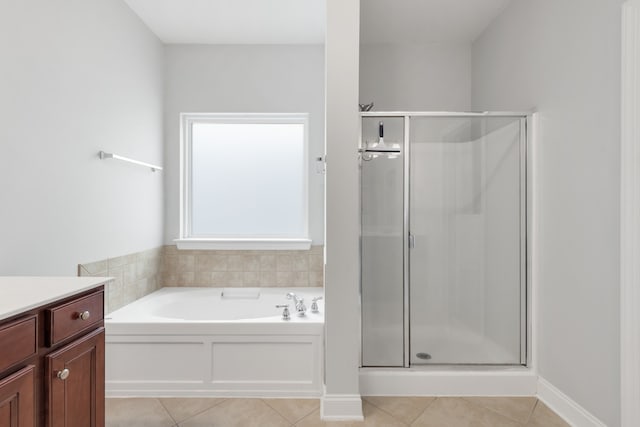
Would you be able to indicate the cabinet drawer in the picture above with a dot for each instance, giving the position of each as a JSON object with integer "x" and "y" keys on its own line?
{"x": 18, "y": 341}
{"x": 76, "y": 316}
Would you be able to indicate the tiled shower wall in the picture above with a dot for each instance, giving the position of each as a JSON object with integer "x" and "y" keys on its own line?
{"x": 141, "y": 273}
{"x": 243, "y": 268}
{"x": 135, "y": 276}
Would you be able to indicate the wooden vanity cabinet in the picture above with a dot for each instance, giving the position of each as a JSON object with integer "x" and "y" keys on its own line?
{"x": 78, "y": 399}
{"x": 52, "y": 364}
{"x": 17, "y": 399}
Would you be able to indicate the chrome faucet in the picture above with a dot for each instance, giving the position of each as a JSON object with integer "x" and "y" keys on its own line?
{"x": 314, "y": 305}
{"x": 285, "y": 312}
{"x": 301, "y": 309}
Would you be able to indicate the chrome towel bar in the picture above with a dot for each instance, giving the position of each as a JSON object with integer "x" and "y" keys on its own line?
{"x": 104, "y": 155}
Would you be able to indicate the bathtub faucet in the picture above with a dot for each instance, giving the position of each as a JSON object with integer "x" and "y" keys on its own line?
{"x": 301, "y": 309}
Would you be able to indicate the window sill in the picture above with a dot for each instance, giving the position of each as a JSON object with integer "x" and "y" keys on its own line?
{"x": 243, "y": 244}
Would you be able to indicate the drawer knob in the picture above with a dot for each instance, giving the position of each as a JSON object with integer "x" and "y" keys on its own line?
{"x": 84, "y": 315}
{"x": 64, "y": 374}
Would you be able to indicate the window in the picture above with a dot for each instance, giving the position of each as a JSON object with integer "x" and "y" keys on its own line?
{"x": 244, "y": 181}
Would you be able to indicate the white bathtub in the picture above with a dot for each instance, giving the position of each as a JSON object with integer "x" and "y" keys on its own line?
{"x": 215, "y": 342}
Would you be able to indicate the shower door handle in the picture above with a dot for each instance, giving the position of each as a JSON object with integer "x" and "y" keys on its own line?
{"x": 412, "y": 241}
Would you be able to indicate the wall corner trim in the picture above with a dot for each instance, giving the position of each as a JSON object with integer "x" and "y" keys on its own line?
{"x": 341, "y": 407}
{"x": 565, "y": 407}
{"x": 630, "y": 216}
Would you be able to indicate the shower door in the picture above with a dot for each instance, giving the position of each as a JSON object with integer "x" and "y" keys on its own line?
{"x": 382, "y": 246}
{"x": 467, "y": 252}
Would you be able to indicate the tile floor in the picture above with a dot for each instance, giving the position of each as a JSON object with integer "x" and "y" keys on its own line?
{"x": 378, "y": 411}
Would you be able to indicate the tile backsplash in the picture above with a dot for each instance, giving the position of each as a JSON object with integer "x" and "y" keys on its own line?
{"x": 242, "y": 268}
{"x": 139, "y": 274}
{"x": 135, "y": 275}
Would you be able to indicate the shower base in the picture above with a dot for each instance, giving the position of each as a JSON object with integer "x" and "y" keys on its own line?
{"x": 458, "y": 346}
{"x": 448, "y": 381}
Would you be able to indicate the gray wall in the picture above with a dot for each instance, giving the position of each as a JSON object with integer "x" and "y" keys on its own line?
{"x": 416, "y": 77}
{"x": 563, "y": 57}
{"x": 244, "y": 79}
{"x": 76, "y": 77}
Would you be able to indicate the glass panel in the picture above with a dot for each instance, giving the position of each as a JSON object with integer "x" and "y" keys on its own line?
{"x": 248, "y": 180}
{"x": 465, "y": 216}
{"x": 382, "y": 243}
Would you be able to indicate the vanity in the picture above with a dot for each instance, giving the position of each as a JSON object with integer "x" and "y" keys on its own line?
{"x": 52, "y": 351}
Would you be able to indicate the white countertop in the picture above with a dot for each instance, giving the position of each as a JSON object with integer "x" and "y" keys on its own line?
{"x": 19, "y": 294}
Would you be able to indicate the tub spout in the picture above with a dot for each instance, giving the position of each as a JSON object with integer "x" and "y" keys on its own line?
{"x": 301, "y": 309}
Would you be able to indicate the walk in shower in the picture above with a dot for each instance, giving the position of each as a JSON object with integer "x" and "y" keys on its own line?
{"x": 443, "y": 243}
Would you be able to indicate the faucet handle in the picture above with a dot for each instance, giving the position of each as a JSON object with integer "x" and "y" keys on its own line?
{"x": 300, "y": 307}
{"x": 314, "y": 304}
{"x": 285, "y": 313}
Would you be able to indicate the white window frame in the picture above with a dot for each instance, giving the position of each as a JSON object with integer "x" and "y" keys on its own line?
{"x": 186, "y": 239}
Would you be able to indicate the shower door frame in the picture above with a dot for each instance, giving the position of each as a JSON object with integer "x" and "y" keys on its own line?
{"x": 525, "y": 215}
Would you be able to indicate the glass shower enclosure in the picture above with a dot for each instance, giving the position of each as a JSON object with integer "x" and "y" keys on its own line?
{"x": 443, "y": 242}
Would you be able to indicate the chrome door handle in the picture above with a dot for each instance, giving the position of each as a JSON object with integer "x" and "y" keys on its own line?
{"x": 412, "y": 241}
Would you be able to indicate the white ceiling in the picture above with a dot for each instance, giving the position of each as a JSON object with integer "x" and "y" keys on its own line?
{"x": 303, "y": 21}
{"x": 420, "y": 21}
{"x": 234, "y": 21}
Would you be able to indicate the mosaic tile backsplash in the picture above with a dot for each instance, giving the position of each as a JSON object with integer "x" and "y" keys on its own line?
{"x": 139, "y": 274}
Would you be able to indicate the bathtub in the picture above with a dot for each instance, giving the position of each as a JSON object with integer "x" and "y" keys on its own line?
{"x": 181, "y": 342}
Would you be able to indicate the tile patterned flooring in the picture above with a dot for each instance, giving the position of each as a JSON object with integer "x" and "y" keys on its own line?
{"x": 378, "y": 412}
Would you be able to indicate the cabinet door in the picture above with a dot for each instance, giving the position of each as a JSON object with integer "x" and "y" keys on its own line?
{"x": 75, "y": 383}
{"x": 17, "y": 399}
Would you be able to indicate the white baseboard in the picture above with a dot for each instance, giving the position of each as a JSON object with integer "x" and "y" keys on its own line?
{"x": 565, "y": 407}
{"x": 386, "y": 382}
{"x": 341, "y": 407}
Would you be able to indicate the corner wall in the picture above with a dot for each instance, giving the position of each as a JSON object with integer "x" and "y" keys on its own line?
{"x": 77, "y": 77}
{"x": 563, "y": 58}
